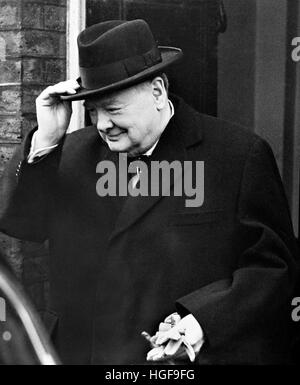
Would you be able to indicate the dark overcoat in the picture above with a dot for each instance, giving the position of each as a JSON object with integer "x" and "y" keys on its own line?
{"x": 120, "y": 266}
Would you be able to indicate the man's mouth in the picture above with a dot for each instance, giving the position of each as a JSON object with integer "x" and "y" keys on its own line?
{"x": 114, "y": 135}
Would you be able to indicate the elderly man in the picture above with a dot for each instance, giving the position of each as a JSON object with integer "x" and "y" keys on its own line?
{"x": 209, "y": 283}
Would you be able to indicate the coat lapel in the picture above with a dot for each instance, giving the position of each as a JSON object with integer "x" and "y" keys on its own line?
{"x": 172, "y": 146}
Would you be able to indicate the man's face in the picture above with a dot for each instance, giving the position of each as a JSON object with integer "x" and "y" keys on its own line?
{"x": 128, "y": 120}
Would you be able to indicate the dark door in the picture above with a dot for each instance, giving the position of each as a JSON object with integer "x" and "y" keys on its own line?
{"x": 191, "y": 25}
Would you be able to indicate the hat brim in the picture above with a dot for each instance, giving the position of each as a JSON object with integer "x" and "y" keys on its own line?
{"x": 169, "y": 56}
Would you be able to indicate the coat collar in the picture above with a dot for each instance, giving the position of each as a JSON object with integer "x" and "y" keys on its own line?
{"x": 182, "y": 132}
{"x": 188, "y": 121}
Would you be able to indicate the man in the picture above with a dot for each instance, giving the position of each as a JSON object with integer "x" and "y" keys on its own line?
{"x": 215, "y": 279}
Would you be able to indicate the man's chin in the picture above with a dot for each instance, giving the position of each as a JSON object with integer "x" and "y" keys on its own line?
{"x": 117, "y": 147}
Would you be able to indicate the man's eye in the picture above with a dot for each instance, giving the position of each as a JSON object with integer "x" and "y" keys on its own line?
{"x": 114, "y": 110}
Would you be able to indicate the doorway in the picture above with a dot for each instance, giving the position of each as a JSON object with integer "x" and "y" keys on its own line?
{"x": 191, "y": 26}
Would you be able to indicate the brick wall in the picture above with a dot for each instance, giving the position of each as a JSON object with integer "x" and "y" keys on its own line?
{"x": 32, "y": 56}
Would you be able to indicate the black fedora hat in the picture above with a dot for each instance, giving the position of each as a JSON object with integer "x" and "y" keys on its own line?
{"x": 117, "y": 54}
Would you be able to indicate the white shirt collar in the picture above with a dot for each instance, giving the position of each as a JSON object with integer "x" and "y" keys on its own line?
{"x": 172, "y": 112}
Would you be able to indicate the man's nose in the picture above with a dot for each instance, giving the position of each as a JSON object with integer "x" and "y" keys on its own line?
{"x": 104, "y": 122}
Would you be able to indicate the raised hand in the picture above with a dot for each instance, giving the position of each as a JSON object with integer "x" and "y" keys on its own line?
{"x": 53, "y": 114}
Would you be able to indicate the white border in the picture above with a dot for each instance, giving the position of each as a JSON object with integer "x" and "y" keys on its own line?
{"x": 76, "y": 22}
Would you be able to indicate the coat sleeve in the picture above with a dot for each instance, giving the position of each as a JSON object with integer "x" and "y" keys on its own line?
{"x": 262, "y": 284}
{"x": 25, "y": 194}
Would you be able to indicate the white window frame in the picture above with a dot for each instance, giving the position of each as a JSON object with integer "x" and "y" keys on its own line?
{"x": 76, "y": 22}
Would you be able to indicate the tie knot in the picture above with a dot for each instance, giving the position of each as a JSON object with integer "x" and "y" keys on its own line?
{"x": 143, "y": 158}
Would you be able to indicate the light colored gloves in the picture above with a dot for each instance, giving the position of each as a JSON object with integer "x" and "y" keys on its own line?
{"x": 176, "y": 338}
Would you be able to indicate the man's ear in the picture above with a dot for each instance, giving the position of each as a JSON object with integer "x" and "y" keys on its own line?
{"x": 159, "y": 93}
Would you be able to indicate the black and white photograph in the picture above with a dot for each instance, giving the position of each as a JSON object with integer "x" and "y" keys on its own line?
{"x": 149, "y": 185}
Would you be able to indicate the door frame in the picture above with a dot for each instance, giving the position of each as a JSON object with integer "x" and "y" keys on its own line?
{"x": 76, "y": 22}
{"x": 250, "y": 57}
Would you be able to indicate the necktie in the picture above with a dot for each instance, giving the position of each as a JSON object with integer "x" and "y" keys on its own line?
{"x": 136, "y": 178}
{"x": 143, "y": 158}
